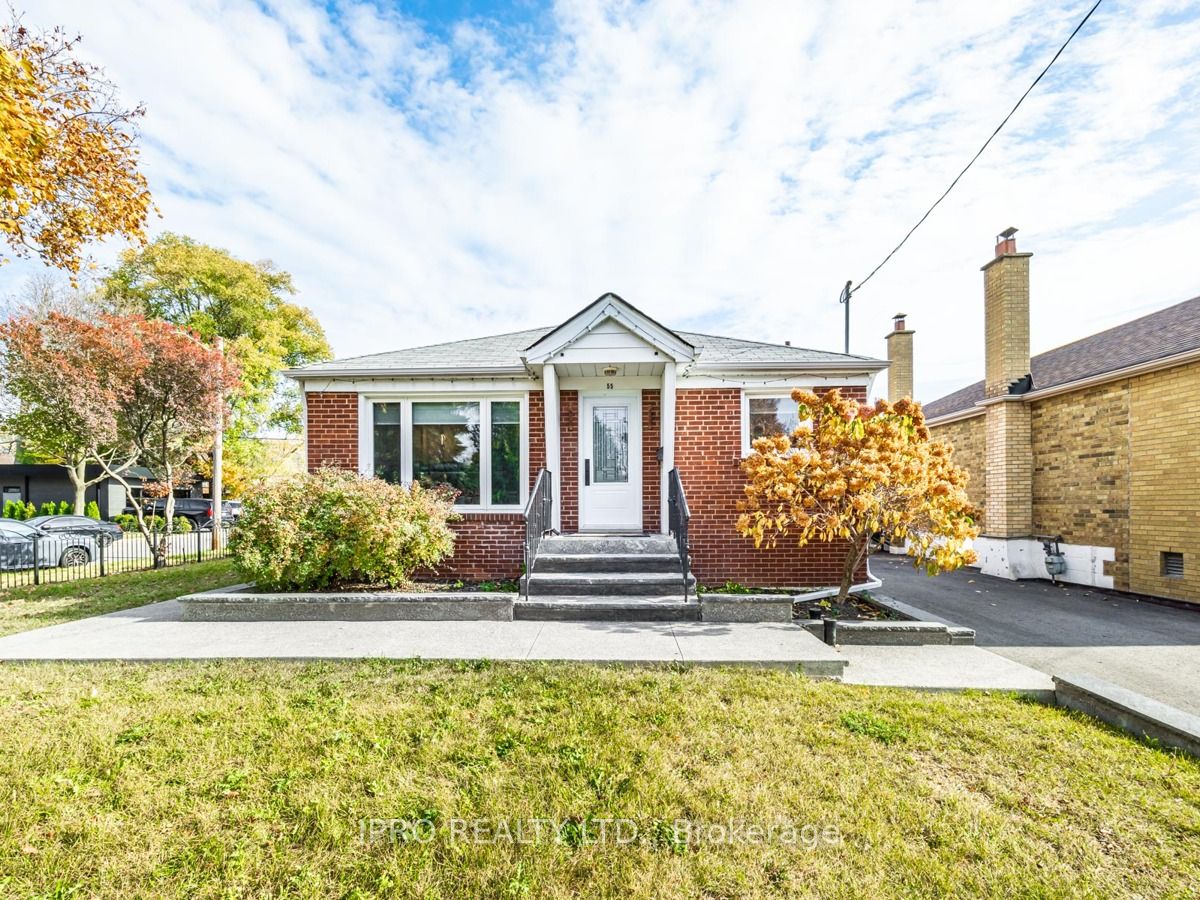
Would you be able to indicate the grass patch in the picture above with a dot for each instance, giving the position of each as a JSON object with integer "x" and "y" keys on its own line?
{"x": 252, "y": 779}
{"x": 861, "y": 721}
{"x": 27, "y": 607}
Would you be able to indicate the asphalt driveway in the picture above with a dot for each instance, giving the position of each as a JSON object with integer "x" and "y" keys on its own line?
{"x": 1146, "y": 647}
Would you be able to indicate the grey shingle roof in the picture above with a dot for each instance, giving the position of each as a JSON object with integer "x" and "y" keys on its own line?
{"x": 1158, "y": 335}
{"x": 504, "y": 351}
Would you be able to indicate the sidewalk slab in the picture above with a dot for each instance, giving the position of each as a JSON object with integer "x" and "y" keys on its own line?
{"x": 942, "y": 668}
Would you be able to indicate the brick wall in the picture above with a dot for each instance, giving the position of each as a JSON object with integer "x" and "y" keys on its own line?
{"x": 651, "y": 469}
{"x": 1111, "y": 467}
{"x": 966, "y": 436}
{"x": 1081, "y": 466}
{"x": 486, "y": 546}
{"x": 332, "y": 430}
{"x": 568, "y": 427}
{"x": 708, "y": 452}
{"x": 537, "y": 434}
{"x": 1164, "y": 487}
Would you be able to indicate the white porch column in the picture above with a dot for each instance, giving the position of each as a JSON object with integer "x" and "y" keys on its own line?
{"x": 666, "y": 439}
{"x": 553, "y": 441}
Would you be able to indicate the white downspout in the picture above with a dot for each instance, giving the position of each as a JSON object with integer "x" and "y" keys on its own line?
{"x": 553, "y": 441}
{"x": 666, "y": 440}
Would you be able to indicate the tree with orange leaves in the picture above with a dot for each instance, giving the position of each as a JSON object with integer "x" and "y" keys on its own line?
{"x": 68, "y": 159}
{"x": 851, "y": 471}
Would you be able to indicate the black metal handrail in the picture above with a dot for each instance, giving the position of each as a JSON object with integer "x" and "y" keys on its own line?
{"x": 678, "y": 517}
{"x": 537, "y": 521}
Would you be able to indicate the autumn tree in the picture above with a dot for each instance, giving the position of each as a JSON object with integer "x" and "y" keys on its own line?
{"x": 851, "y": 471}
{"x": 166, "y": 412}
{"x": 214, "y": 294}
{"x": 63, "y": 381}
{"x": 68, "y": 156}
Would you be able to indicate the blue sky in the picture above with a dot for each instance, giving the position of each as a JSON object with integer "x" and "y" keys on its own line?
{"x": 432, "y": 170}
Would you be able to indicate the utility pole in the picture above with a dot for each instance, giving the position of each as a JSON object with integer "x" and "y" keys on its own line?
{"x": 845, "y": 298}
{"x": 218, "y": 453}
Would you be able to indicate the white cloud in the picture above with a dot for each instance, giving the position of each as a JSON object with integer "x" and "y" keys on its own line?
{"x": 724, "y": 166}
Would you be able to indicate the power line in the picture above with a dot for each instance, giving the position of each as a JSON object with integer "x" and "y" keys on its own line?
{"x": 979, "y": 152}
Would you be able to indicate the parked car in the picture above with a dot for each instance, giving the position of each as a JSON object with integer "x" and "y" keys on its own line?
{"x": 196, "y": 510}
{"x": 104, "y": 532}
{"x": 18, "y": 541}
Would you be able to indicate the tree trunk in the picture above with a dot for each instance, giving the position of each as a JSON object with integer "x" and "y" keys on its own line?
{"x": 78, "y": 473}
{"x": 854, "y": 555}
{"x": 160, "y": 554}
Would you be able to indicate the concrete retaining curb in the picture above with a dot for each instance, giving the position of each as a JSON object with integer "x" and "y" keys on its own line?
{"x": 746, "y": 607}
{"x": 894, "y": 634}
{"x": 959, "y": 634}
{"x": 1129, "y": 711}
{"x": 241, "y": 604}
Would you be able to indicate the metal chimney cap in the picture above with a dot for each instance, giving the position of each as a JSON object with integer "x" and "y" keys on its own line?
{"x": 1006, "y": 233}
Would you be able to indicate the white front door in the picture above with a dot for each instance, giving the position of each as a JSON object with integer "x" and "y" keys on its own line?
{"x": 610, "y": 464}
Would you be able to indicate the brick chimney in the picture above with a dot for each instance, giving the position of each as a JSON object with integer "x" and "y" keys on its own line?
{"x": 1009, "y": 468}
{"x": 900, "y": 359}
{"x": 1006, "y": 315}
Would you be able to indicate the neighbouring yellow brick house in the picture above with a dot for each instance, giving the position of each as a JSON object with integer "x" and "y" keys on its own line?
{"x": 1096, "y": 442}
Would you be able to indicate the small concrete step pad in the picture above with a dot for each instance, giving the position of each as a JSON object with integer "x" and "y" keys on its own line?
{"x": 602, "y": 584}
{"x": 606, "y": 609}
{"x": 582, "y": 563}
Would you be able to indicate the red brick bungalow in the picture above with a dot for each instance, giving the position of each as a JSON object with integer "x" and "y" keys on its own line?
{"x": 609, "y": 402}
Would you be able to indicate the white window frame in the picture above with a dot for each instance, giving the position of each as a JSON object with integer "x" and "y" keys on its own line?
{"x": 366, "y": 440}
{"x": 774, "y": 393}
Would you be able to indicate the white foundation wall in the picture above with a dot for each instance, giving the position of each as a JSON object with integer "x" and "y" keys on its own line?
{"x": 1015, "y": 558}
{"x": 1026, "y": 558}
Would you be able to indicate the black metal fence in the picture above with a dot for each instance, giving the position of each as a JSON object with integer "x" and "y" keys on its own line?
{"x": 52, "y": 559}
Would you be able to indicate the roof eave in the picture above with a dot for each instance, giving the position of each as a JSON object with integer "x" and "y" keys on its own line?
{"x": 441, "y": 372}
{"x": 863, "y": 365}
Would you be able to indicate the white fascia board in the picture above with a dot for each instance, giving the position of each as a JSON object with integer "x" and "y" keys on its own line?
{"x": 863, "y": 366}
{"x": 443, "y": 385}
{"x": 465, "y": 372}
{"x": 609, "y": 307}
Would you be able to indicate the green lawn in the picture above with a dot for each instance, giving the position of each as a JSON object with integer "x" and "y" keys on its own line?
{"x": 251, "y": 780}
{"x": 27, "y": 607}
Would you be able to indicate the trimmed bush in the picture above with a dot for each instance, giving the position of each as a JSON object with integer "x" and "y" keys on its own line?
{"x": 336, "y": 529}
{"x": 65, "y": 507}
{"x": 13, "y": 509}
{"x": 92, "y": 510}
{"x": 49, "y": 508}
{"x": 128, "y": 522}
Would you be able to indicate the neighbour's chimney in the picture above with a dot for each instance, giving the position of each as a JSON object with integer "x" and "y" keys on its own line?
{"x": 900, "y": 360}
{"x": 1009, "y": 445}
{"x": 1006, "y": 315}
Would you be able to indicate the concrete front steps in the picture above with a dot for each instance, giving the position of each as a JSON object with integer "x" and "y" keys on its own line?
{"x": 608, "y": 578}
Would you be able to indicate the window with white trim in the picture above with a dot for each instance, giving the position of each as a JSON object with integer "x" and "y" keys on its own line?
{"x": 477, "y": 445}
{"x": 766, "y": 414}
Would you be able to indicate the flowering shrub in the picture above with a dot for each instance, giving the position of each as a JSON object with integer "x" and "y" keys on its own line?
{"x": 850, "y": 471}
{"x": 336, "y": 529}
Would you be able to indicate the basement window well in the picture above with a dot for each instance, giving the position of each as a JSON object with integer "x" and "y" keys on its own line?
{"x": 1171, "y": 564}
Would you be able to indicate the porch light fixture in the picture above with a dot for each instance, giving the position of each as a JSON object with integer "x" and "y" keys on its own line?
{"x": 610, "y": 370}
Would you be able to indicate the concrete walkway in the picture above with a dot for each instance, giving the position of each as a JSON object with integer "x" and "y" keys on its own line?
{"x": 157, "y": 632}
{"x": 1145, "y": 647}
